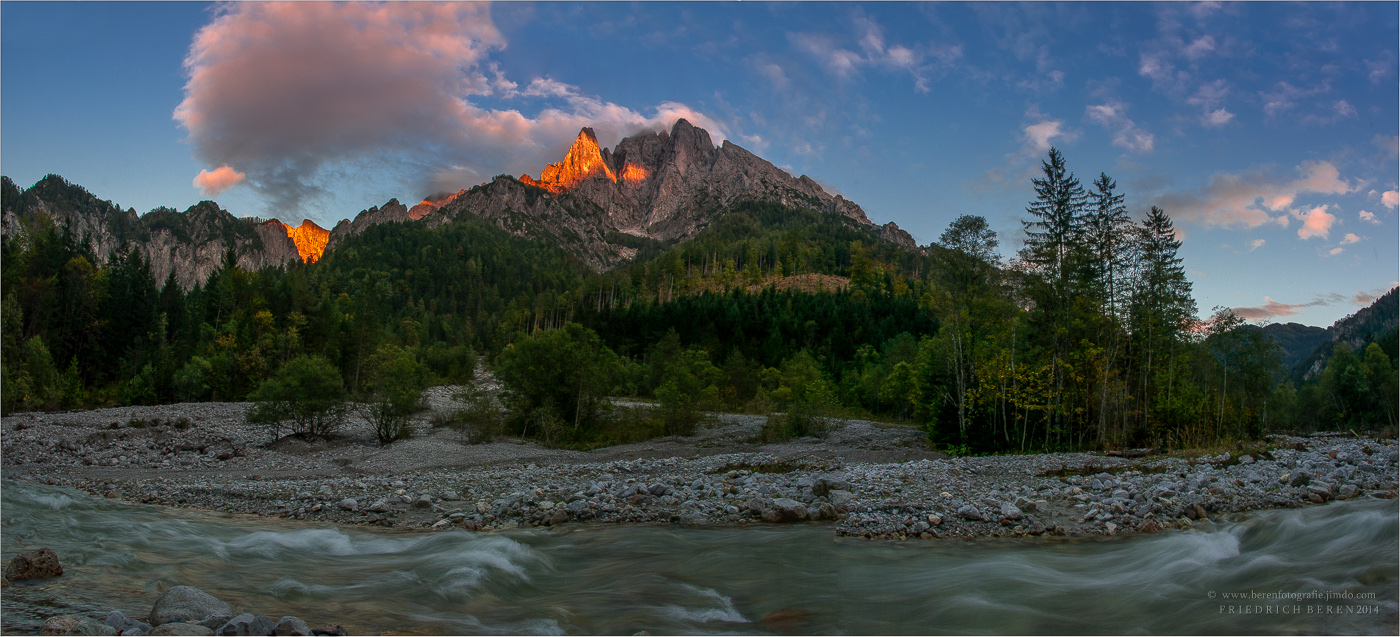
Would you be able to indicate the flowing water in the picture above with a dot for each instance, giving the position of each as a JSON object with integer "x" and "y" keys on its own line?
{"x": 673, "y": 580}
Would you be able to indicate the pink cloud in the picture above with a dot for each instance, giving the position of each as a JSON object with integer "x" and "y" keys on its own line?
{"x": 1316, "y": 222}
{"x": 1039, "y": 137}
{"x": 1253, "y": 199}
{"x": 221, "y": 179}
{"x": 1390, "y": 198}
{"x": 1269, "y": 309}
{"x": 1349, "y": 239}
{"x": 288, "y": 91}
{"x": 1368, "y": 217}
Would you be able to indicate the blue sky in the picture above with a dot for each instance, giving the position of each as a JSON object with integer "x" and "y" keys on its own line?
{"x": 1268, "y": 131}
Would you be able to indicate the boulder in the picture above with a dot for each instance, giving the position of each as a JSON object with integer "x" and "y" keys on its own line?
{"x": 1246, "y": 459}
{"x": 59, "y": 625}
{"x": 118, "y": 620}
{"x": 826, "y": 484}
{"x": 187, "y": 604}
{"x": 969, "y": 512}
{"x": 247, "y": 624}
{"x": 381, "y": 506}
{"x": 788, "y": 510}
{"x": 840, "y": 498}
{"x": 181, "y": 628}
{"x": 348, "y": 504}
{"x": 40, "y": 564}
{"x": 290, "y": 625}
{"x": 424, "y": 501}
{"x": 215, "y": 621}
{"x": 1299, "y": 479}
{"x": 1010, "y": 512}
{"x": 1347, "y": 491}
{"x": 1025, "y": 504}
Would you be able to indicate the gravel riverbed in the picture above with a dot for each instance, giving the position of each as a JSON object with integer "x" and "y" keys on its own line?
{"x": 865, "y": 479}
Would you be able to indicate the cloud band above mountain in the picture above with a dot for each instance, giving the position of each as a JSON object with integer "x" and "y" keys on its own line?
{"x": 287, "y": 93}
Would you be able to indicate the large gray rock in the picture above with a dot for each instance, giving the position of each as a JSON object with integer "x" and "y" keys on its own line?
{"x": 118, "y": 620}
{"x": 789, "y": 510}
{"x": 1010, "y": 512}
{"x": 824, "y": 485}
{"x": 840, "y": 499}
{"x": 186, "y": 604}
{"x": 969, "y": 512}
{"x": 290, "y": 625}
{"x": 181, "y": 628}
{"x": 247, "y": 624}
{"x": 40, "y": 564}
{"x": 348, "y": 504}
{"x": 90, "y": 626}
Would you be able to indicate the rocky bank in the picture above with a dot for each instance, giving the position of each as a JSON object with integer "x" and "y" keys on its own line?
{"x": 865, "y": 479}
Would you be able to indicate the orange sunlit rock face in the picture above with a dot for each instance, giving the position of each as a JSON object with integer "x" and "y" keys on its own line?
{"x": 634, "y": 173}
{"x": 584, "y": 161}
{"x": 430, "y": 204}
{"x": 309, "y": 238}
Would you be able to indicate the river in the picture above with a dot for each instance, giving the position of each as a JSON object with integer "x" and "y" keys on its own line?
{"x": 747, "y": 580}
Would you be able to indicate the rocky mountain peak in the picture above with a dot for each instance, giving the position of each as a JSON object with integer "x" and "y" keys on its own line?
{"x": 309, "y": 238}
{"x": 583, "y": 161}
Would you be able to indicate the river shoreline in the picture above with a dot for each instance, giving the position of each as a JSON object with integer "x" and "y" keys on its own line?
{"x": 865, "y": 480}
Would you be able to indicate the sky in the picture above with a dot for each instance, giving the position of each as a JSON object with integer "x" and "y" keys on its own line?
{"x": 1267, "y": 131}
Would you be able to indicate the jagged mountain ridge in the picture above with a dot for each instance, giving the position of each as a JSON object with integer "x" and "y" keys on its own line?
{"x": 189, "y": 244}
{"x": 657, "y": 185}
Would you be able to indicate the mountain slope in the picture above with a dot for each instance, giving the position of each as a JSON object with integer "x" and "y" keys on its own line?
{"x": 1377, "y": 322}
{"x": 599, "y": 204}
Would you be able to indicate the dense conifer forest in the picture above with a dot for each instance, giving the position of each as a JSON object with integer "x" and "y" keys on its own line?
{"x": 1088, "y": 337}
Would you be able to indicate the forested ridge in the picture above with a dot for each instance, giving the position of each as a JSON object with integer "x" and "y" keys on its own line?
{"x": 1087, "y": 337}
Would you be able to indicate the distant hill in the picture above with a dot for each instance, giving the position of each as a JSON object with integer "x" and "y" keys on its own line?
{"x": 1297, "y": 341}
{"x": 1376, "y": 323}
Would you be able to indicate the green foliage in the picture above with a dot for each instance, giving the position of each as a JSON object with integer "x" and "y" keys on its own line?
{"x": 557, "y": 381}
{"x": 805, "y": 396}
{"x": 192, "y": 380}
{"x": 480, "y": 420}
{"x": 689, "y": 385}
{"x": 394, "y": 392}
{"x": 305, "y": 395}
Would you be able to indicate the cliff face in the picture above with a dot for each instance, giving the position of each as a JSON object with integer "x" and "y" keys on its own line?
{"x": 659, "y": 185}
{"x": 190, "y": 244}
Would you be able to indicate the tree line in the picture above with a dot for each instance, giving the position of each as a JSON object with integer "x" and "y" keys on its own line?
{"x": 1087, "y": 337}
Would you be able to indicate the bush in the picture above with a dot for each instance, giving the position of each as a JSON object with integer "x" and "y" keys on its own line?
{"x": 451, "y": 365}
{"x": 395, "y": 392}
{"x": 806, "y": 397}
{"x": 480, "y": 421}
{"x": 192, "y": 380}
{"x": 689, "y": 385}
{"x": 556, "y": 382}
{"x": 305, "y": 395}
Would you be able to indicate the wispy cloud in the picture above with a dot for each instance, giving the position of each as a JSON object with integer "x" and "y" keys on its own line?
{"x": 1210, "y": 98}
{"x": 1256, "y": 244}
{"x": 920, "y": 62}
{"x": 1126, "y": 134}
{"x": 1368, "y": 218}
{"x": 1272, "y": 308}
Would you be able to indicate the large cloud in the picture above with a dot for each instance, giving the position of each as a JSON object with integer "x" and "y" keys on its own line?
{"x": 289, "y": 92}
